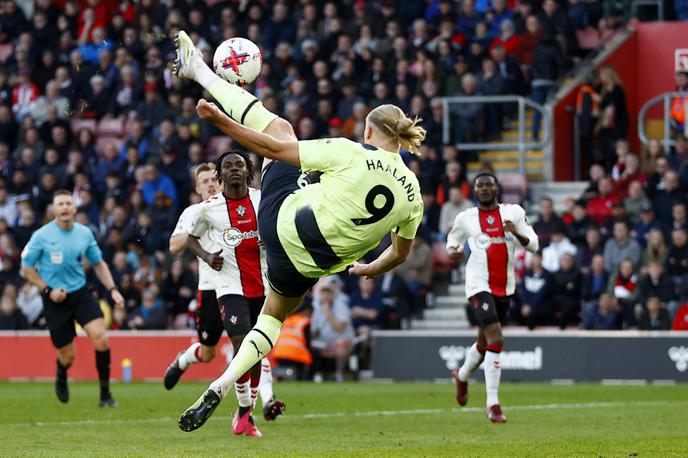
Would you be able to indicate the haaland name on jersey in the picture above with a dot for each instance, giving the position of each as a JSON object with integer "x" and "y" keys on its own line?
{"x": 377, "y": 165}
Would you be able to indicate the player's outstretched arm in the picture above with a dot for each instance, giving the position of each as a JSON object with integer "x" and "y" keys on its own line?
{"x": 258, "y": 142}
{"x": 394, "y": 255}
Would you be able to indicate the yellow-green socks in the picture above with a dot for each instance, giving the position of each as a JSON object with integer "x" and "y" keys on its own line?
{"x": 257, "y": 344}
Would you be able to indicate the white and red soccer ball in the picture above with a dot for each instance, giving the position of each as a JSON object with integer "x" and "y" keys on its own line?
{"x": 237, "y": 61}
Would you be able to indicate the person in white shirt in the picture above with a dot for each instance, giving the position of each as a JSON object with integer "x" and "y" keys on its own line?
{"x": 493, "y": 232}
{"x": 452, "y": 207}
{"x": 559, "y": 245}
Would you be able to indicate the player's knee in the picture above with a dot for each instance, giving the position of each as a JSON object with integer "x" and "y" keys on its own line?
{"x": 495, "y": 340}
{"x": 281, "y": 130}
{"x": 67, "y": 355}
{"x": 100, "y": 340}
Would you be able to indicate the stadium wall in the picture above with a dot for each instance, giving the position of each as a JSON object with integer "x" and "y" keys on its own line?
{"x": 626, "y": 356}
{"x": 29, "y": 355}
{"x": 645, "y": 63}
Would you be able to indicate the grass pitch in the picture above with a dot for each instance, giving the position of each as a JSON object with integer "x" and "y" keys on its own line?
{"x": 352, "y": 419}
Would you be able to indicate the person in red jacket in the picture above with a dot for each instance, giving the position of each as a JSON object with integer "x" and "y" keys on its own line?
{"x": 681, "y": 319}
{"x": 600, "y": 207}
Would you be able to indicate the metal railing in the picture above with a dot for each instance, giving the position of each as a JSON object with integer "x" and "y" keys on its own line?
{"x": 522, "y": 146}
{"x": 659, "y": 4}
{"x": 666, "y": 97}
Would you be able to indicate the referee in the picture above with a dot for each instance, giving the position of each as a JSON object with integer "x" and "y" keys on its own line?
{"x": 52, "y": 260}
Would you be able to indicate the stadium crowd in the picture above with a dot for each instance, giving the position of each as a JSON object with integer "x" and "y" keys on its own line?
{"x": 88, "y": 103}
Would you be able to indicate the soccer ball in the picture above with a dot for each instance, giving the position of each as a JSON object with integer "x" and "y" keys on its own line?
{"x": 237, "y": 61}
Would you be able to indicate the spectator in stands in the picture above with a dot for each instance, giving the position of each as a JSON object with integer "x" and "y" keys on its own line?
{"x": 8, "y": 207}
{"x": 559, "y": 245}
{"x": 39, "y": 110}
{"x": 593, "y": 284}
{"x": 331, "y": 331}
{"x": 656, "y": 249}
{"x": 453, "y": 177}
{"x": 450, "y": 209}
{"x": 645, "y": 223}
{"x": 579, "y": 15}
{"x": 395, "y": 300}
{"x": 11, "y": 316}
{"x": 623, "y": 286}
{"x": 621, "y": 247}
{"x": 535, "y": 293}
{"x": 613, "y": 100}
{"x": 656, "y": 283}
{"x": 592, "y": 247}
{"x": 416, "y": 271}
{"x": 665, "y": 198}
{"x": 157, "y": 182}
{"x": 635, "y": 200}
{"x": 366, "y": 313}
{"x": 600, "y": 207}
{"x": 31, "y": 304}
{"x": 565, "y": 291}
{"x": 579, "y": 225}
{"x": 177, "y": 289}
{"x": 469, "y": 115}
{"x": 554, "y": 19}
{"x": 546, "y": 222}
{"x": 150, "y": 314}
{"x": 654, "y": 316}
{"x": 604, "y": 317}
{"x": 651, "y": 152}
{"x": 292, "y": 348}
{"x": 151, "y": 110}
{"x": 548, "y": 65}
{"x": 631, "y": 173}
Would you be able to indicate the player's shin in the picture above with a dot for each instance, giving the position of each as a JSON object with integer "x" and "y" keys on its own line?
{"x": 255, "y": 381}
{"x": 243, "y": 394}
{"x": 265, "y": 386}
{"x": 474, "y": 357}
{"x": 241, "y": 105}
{"x": 493, "y": 372}
{"x": 257, "y": 344}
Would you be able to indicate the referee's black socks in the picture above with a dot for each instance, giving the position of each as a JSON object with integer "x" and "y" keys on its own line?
{"x": 61, "y": 370}
{"x": 103, "y": 365}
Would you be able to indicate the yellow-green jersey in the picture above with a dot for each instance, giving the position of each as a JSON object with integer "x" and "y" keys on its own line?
{"x": 363, "y": 194}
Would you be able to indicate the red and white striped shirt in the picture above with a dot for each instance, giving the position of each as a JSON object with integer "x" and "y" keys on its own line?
{"x": 231, "y": 225}
{"x": 490, "y": 267}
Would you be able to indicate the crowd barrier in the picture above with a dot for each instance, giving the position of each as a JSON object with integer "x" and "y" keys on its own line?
{"x": 29, "y": 355}
{"x": 565, "y": 356}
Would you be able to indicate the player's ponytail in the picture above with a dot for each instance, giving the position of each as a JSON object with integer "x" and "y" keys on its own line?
{"x": 391, "y": 121}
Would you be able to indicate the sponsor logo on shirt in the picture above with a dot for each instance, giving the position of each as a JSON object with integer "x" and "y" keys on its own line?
{"x": 484, "y": 241}
{"x": 56, "y": 257}
{"x": 233, "y": 236}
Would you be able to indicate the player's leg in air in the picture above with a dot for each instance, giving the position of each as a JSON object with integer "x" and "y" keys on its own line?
{"x": 238, "y": 103}
{"x": 490, "y": 311}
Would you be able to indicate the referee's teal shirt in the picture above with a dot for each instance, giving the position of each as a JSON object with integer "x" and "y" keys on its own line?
{"x": 57, "y": 255}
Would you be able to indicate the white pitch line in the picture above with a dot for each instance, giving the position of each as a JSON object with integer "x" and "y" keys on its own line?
{"x": 374, "y": 413}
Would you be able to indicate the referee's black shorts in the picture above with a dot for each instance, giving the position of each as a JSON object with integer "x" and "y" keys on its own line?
{"x": 80, "y": 306}
{"x": 279, "y": 181}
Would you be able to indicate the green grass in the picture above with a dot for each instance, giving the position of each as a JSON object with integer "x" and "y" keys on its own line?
{"x": 375, "y": 420}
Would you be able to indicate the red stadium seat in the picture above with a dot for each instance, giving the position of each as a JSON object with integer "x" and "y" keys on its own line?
{"x": 588, "y": 38}
{"x": 514, "y": 188}
{"x": 5, "y": 52}
{"x": 440, "y": 258}
{"x": 111, "y": 127}
{"x": 78, "y": 123}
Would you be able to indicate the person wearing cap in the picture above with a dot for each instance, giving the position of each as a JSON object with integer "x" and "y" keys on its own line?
{"x": 646, "y": 222}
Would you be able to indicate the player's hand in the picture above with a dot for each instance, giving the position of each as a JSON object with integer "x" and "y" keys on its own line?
{"x": 215, "y": 260}
{"x": 117, "y": 298}
{"x": 455, "y": 255}
{"x": 361, "y": 270}
{"x": 58, "y": 295}
{"x": 510, "y": 227}
{"x": 208, "y": 110}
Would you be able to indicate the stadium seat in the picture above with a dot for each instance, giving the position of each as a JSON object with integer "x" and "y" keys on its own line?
{"x": 440, "y": 258}
{"x": 111, "y": 127}
{"x": 588, "y": 38}
{"x": 5, "y": 52}
{"x": 78, "y": 123}
{"x": 514, "y": 188}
